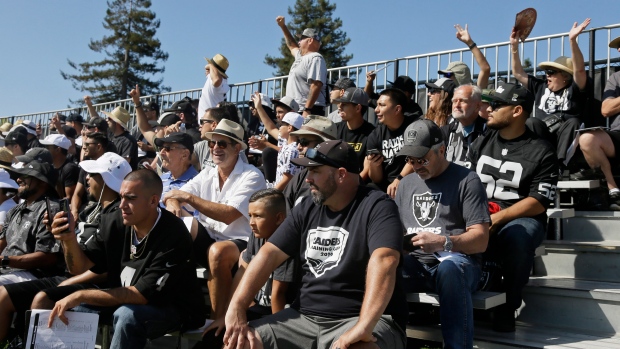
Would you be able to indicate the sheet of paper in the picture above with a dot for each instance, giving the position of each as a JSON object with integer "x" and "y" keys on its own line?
{"x": 81, "y": 332}
{"x": 443, "y": 255}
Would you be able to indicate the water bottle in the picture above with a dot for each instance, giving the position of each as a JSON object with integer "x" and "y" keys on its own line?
{"x": 182, "y": 127}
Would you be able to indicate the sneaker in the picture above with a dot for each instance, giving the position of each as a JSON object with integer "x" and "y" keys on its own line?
{"x": 589, "y": 174}
{"x": 504, "y": 319}
{"x": 614, "y": 201}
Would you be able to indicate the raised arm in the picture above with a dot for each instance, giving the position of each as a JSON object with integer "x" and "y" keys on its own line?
{"x": 141, "y": 120}
{"x": 216, "y": 76}
{"x": 89, "y": 104}
{"x": 579, "y": 70}
{"x": 270, "y": 126}
{"x": 291, "y": 43}
{"x": 485, "y": 68}
{"x": 380, "y": 281}
{"x": 517, "y": 68}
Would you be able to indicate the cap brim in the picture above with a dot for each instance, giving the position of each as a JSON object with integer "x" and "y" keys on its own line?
{"x": 31, "y": 172}
{"x": 615, "y": 43}
{"x": 444, "y": 71}
{"x": 431, "y": 85}
{"x": 221, "y": 72}
{"x": 305, "y": 162}
{"x": 413, "y": 151}
{"x": 555, "y": 65}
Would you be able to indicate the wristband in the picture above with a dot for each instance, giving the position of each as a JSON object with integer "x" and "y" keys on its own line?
{"x": 472, "y": 45}
{"x": 399, "y": 177}
{"x": 138, "y": 105}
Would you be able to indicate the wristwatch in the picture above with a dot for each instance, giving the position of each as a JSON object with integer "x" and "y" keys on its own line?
{"x": 447, "y": 246}
{"x": 5, "y": 262}
{"x": 301, "y": 109}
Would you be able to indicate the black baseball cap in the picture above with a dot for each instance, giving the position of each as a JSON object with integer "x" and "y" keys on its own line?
{"x": 342, "y": 84}
{"x": 168, "y": 118}
{"x": 404, "y": 83}
{"x": 41, "y": 170}
{"x": 75, "y": 117}
{"x": 353, "y": 95}
{"x": 445, "y": 84}
{"x": 182, "y": 138}
{"x": 183, "y": 106}
{"x": 512, "y": 94}
{"x": 97, "y": 122}
{"x": 420, "y": 137}
{"x": 335, "y": 153}
{"x": 150, "y": 105}
{"x": 35, "y": 154}
{"x": 17, "y": 136}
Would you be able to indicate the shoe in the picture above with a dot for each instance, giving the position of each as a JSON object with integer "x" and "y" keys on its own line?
{"x": 614, "y": 201}
{"x": 504, "y": 319}
{"x": 589, "y": 174}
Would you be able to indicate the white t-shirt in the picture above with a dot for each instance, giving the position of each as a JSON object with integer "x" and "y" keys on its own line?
{"x": 211, "y": 95}
{"x": 4, "y": 208}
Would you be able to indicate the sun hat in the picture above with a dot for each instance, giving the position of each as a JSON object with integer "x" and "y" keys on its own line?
{"x": 335, "y": 153}
{"x": 120, "y": 115}
{"x": 6, "y": 181}
{"x": 6, "y": 157}
{"x": 30, "y": 126}
{"x": 231, "y": 130}
{"x": 112, "y": 167}
{"x": 461, "y": 72}
{"x": 58, "y": 140}
{"x": 319, "y": 126}
{"x": 293, "y": 119}
{"x": 419, "y": 137}
{"x": 615, "y": 43}
{"x": 42, "y": 171}
{"x": 562, "y": 63}
{"x": 286, "y": 101}
{"x": 220, "y": 63}
{"x": 5, "y": 128}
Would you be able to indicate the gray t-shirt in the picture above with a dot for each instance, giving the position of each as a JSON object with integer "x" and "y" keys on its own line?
{"x": 612, "y": 90}
{"x": 304, "y": 71}
{"x": 444, "y": 205}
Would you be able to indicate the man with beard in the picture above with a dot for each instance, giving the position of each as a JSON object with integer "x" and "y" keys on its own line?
{"x": 520, "y": 172}
{"x": 348, "y": 240}
{"x": 220, "y": 197}
{"x": 25, "y": 243}
{"x": 104, "y": 180}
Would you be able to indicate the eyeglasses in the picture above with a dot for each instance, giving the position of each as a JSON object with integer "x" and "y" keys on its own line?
{"x": 434, "y": 90}
{"x": 221, "y": 144}
{"x": 169, "y": 148}
{"x": 90, "y": 143}
{"x": 314, "y": 154}
{"x": 550, "y": 72}
{"x": 421, "y": 161}
{"x": 206, "y": 121}
{"x": 448, "y": 75}
{"x": 304, "y": 142}
{"x": 495, "y": 104}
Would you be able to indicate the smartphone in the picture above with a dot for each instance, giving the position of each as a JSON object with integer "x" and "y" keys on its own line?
{"x": 63, "y": 205}
{"x": 51, "y": 211}
{"x": 373, "y": 151}
{"x": 407, "y": 244}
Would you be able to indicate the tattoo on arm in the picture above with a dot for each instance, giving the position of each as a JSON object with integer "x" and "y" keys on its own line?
{"x": 69, "y": 260}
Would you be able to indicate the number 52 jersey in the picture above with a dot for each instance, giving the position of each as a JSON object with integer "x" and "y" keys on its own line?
{"x": 514, "y": 169}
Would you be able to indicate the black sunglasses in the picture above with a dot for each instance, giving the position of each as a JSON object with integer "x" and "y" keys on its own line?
{"x": 304, "y": 142}
{"x": 221, "y": 144}
{"x": 434, "y": 90}
{"x": 448, "y": 75}
{"x": 550, "y": 72}
{"x": 496, "y": 104}
{"x": 169, "y": 148}
{"x": 314, "y": 154}
{"x": 206, "y": 121}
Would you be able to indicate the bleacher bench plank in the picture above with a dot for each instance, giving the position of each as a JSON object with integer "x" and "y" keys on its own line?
{"x": 591, "y": 184}
{"x": 561, "y": 212}
{"x": 480, "y": 299}
{"x": 202, "y": 273}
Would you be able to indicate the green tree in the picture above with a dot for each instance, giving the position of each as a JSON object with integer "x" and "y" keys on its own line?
{"x": 132, "y": 55}
{"x": 313, "y": 14}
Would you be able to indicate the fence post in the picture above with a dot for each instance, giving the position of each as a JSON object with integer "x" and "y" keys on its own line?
{"x": 592, "y": 54}
{"x": 260, "y": 86}
{"x": 395, "y": 69}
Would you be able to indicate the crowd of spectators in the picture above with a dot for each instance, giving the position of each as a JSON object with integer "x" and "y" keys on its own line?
{"x": 298, "y": 216}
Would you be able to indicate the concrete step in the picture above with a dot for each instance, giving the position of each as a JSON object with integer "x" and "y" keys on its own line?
{"x": 592, "y": 226}
{"x": 573, "y": 305}
{"x": 524, "y": 337}
{"x": 597, "y": 261}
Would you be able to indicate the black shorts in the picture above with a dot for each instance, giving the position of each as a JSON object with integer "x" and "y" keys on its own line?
{"x": 203, "y": 241}
{"x": 615, "y": 139}
{"x": 22, "y": 293}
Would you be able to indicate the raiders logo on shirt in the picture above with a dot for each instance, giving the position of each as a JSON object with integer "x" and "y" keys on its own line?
{"x": 325, "y": 248}
{"x": 425, "y": 207}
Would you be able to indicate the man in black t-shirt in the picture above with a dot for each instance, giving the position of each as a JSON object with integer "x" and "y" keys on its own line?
{"x": 384, "y": 168}
{"x": 68, "y": 172}
{"x": 348, "y": 240}
{"x": 520, "y": 172}
{"x": 353, "y": 129}
{"x": 126, "y": 145}
{"x": 144, "y": 250}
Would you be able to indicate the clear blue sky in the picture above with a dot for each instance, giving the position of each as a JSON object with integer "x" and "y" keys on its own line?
{"x": 39, "y": 36}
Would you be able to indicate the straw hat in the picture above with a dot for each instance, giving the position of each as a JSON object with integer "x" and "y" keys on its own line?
{"x": 6, "y": 157}
{"x": 120, "y": 115}
{"x": 615, "y": 43}
{"x": 5, "y": 128}
{"x": 231, "y": 130}
{"x": 562, "y": 63}
{"x": 220, "y": 62}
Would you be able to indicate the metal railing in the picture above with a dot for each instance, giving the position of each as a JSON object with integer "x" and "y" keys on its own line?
{"x": 421, "y": 68}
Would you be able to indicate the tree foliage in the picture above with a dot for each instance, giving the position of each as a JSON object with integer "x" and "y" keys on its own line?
{"x": 313, "y": 14}
{"x": 132, "y": 55}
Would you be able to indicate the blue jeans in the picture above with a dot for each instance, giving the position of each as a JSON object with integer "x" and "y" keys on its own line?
{"x": 453, "y": 280}
{"x": 513, "y": 247}
{"x": 133, "y": 324}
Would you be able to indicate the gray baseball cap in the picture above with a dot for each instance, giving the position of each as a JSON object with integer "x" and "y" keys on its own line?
{"x": 353, "y": 95}
{"x": 419, "y": 137}
{"x": 311, "y": 33}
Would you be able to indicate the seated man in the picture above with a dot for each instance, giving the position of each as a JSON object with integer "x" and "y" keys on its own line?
{"x": 175, "y": 150}
{"x": 220, "y": 197}
{"x": 600, "y": 146}
{"x": 144, "y": 250}
{"x": 104, "y": 181}
{"x": 348, "y": 240}
{"x": 520, "y": 172}
{"x": 25, "y": 243}
{"x": 444, "y": 210}
{"x": 267, "y": 211}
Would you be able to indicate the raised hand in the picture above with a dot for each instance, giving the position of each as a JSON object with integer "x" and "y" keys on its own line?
{"x": 280, "y": 21}
{"x": 577, "y": 29}
{"x": 463, "y": 34}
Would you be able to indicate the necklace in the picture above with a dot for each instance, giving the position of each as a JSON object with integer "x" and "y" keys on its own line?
{"x": 136, "y": 250}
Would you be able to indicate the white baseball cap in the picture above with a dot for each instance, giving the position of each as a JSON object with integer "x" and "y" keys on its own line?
{"x": 30, "y": 126}
{"x": 6, "y": 181}
{"x": 112, "y": 167}
{"x": 293, "y": 119}
{"x": 58, "y": 140}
